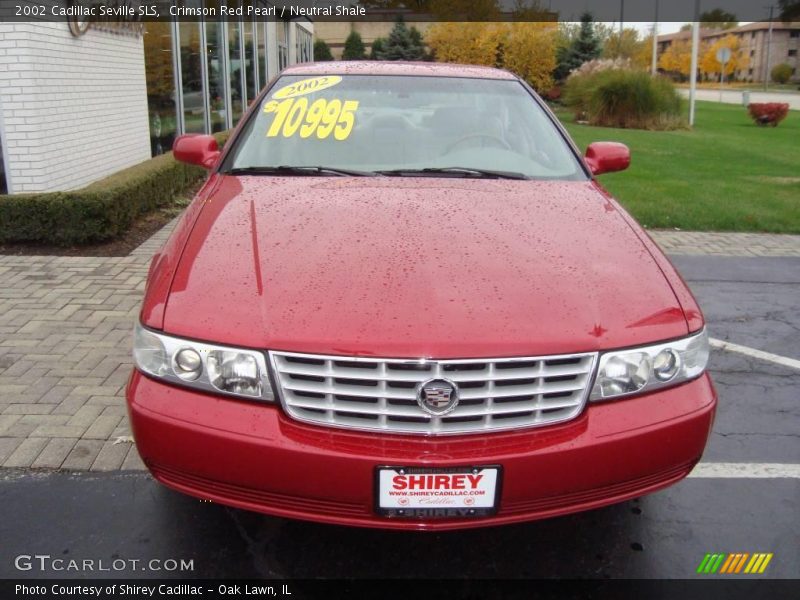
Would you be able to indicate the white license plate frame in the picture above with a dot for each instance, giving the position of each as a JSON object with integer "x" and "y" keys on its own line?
{"x": 438, "y": 492}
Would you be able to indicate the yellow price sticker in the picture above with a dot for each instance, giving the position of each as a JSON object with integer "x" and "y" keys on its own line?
{"x": 306, "y": 86}
{"x": 320, "y": 118}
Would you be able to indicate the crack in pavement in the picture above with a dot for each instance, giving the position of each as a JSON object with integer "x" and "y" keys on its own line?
{"x": 754, "y": 433}
{"x": 258, "y": 549}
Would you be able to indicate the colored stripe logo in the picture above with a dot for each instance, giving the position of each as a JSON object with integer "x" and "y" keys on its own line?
{"x": 738, "y": 562}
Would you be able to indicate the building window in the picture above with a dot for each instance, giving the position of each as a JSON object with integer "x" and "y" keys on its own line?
{"x": 793, "y": 52}
{"x": 262, "y": 54}
{"x": 283, "y": 44}
{"x": 216, "y": 74}
{"x": 235, "y": 69}
{"x": 752, "y": 52}
{"x": 794, "y": 34}
{"x": 194, "y": 112}
{"x": 303, "y": 44}
{"x": 251, "y": 75}
{"x": 750, "y": 71}
{"x": 159, "y": 69}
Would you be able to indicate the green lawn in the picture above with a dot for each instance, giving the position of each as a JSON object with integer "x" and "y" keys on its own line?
{"x": 726, "y": 175}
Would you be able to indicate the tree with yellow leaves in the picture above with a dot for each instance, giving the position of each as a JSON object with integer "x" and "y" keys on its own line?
{"x": 158, "y": 59}
{"x": 677, "y": 58}
{"x": 643, "y": 57}
{"x": 527, "y": 48}
{"x": 711, "y": 67}
{"x": 469, "y": 43}
{"x": 530, "y": 52}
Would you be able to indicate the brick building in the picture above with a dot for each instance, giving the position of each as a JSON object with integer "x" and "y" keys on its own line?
{"x": 78, "y": 104}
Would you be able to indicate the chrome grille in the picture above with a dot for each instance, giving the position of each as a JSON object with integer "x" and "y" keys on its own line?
{"x": 381, "y": 394}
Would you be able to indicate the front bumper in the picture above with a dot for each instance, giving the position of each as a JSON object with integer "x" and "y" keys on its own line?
{"x": 250, "y": 455}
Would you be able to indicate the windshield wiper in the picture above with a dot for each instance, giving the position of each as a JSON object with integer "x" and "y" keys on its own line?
{"x": 462, "y": 171}
{"x": 299, "y": 170}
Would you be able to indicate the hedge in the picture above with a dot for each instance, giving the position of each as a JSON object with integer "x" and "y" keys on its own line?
{"x": 99, "y": 212}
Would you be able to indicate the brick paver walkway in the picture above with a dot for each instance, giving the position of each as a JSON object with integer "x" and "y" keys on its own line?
{"x": 727, "y": 244}
{"x": 65, "y": 328}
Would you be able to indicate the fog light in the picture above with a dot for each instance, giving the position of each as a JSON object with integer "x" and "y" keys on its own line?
{"x": 666, "y": 365}
{"x": 235, "y": 372}
{"x": 188, "y": 364}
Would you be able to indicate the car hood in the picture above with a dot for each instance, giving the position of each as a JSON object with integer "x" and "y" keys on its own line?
{"x": 417, "y": 267}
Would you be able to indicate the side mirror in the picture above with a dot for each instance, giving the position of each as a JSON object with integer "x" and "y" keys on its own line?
{"x": 607, "y": 157}
{"x": 196, "y": 149}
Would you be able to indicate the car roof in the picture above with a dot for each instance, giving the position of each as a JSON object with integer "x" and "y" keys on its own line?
{"x": 380, "y": 67}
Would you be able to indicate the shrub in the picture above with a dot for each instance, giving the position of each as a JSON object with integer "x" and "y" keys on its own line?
{"x": 781, "y": 73}
{"x": 402, "y": 43}
{"x": 768, "y": 113}
{"x": 623, "y": 98}
{"x": 553, "y": 94}
{"x": 354, "y": 47}
{"x": 99, "y": 212}
{"x": 581, "y": 83}
{"x": 322, "y": 52}
{"x": 377, "y": 48}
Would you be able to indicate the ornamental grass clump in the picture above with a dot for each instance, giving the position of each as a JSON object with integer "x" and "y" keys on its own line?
{"x": 624, "y": 98}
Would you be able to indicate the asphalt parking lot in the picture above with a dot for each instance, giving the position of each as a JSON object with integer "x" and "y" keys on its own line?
{"x": 745, "y": 498}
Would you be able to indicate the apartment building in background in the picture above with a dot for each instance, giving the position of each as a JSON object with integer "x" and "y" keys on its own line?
{"x": 781, "y": 47}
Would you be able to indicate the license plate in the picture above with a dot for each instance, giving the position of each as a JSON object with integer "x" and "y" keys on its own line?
{"x": 423, "y": 493}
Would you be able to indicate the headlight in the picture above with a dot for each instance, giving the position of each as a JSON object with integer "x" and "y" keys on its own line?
{"x": 641, "y": 370}
{"x": 216, "y": 369}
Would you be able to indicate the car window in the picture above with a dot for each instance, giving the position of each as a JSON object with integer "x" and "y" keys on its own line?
{"x": 377, "y": 123}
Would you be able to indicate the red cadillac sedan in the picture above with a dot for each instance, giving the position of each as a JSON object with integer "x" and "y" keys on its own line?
{"x": 402, "y": 300}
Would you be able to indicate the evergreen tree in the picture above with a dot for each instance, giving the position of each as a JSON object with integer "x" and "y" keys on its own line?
{"x": 354, "y": 47}
{"x": 718, "y": 19}
{"x": 585, "y": 47}
{"x": 403, "y": 44}
{"x": 377, "y": 48}
{"x": 322, "y": 51}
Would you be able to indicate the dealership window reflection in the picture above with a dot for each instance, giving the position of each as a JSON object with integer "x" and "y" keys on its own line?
{"x": 235, "y": 68}
{"x": 201, "y": 76}
{"x": 160, "y": 75}
{"x": 304, "y": 45}
{"x": 194, "y": 112}
{"x": 215, "y": 62}
{"x": 249, "y": 69}
{"x": 282, "y": 30}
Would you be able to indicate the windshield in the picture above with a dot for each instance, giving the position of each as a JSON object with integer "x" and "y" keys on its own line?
{"x": 391, "y": 124}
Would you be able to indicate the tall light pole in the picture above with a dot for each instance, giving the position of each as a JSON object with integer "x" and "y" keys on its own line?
{"x": 693, "y": 73}
{"x": 769, "y": 49}
{"x": 621, "y": 19}
{"x": 654, "y": 63}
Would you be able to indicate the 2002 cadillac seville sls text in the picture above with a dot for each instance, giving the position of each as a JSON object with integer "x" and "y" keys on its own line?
{"x": 402, "y": 300}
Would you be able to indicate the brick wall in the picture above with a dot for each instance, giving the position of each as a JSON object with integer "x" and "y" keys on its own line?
{"x": 72, "y": 110}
